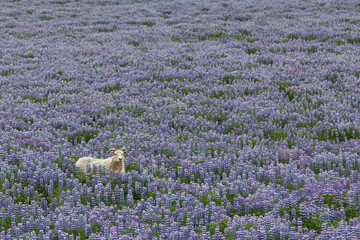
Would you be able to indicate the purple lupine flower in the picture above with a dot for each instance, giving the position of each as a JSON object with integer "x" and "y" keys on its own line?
{"x": 255, "y": 122}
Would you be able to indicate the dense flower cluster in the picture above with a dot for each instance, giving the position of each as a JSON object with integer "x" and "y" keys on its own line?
{"x": 241, "y": 119}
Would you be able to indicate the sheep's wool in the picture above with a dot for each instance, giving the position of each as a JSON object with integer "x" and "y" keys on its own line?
{"x": 109, "y": 163}
{"x": 116, "y": 166}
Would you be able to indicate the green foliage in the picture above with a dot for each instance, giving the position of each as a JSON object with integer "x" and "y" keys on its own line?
{"x": 230, "y": 197}
{"x": 277, "y": 236}
{"x": 354, "y": 40}
{"x": 229, "y": 79}
{"x": 245, "y": 32}
{"x": 128, "y": 231}
{"x": 328, "y": 134}
{"x": 36, "y": 99}
{"x": 131, "y": 166}
{"x": 257, "y": 211}
{"x": 290, "y": 94}
{"x": 173, "y": 206}
{"x": 212, "y": 226}
{"x": 291, "y": 187}
{"x": 334, "y": 223}
{"x": 309, "y": 37}
{"x": 232, "y": 213}
{"x": 332, "y": 78}
{"x": 216, "y": 171}
{"x": 252, "y": 50}
{"x": 312, "y": 49}
{"x": 216, "y": 94}
{"x": 76, "y": 233}
{"x": 357, "y": 73}
{"x": 60, "y": 2}
{"x": 283, "y": 85}
{"x": 5, "y": 223}
{"x": 187, "y": 180}
{"x": 312, "y": 223}
{"x": 163, "y": 152}
{"x": 306, "y": 124}
{"x": 45, "y": 17}
{"x": 68, "y": 79}
{"x": 230, "y": 128}
{"x": 212, "y": 36}
{"x": 106, "y": 30}
{"x": 134, "y": 43}
{"x": 266, "y": 61}
{"x": 7, "y": 72}
{"x": 278, "y": 49}
{"x": 288, "y": 211}
{"x": 205, "y": 199}
{"x": 23, "y": 198}
{"x": 135, "y": 111}
{"x": 351, "y": 212}
{"x": 218, "y": 202}
{"x": 27, "y": 120}
{"x": 125, "y": 64}
{"x": 351, "y": 133}
{"x": 155, "y": 234}
{"x": 275, "y": 135}
{"x": 188, "y": 90}
{"x": 223, "y": 225}
{"x": 293, "y": 36}
{"x": 255, "y": 10}
{"x": 116, "y": 87}
{"x": 84, "y": 135}
{"x": 148, "y": 24}
{"x": 176, "y": 39}
{"x": 248, "y": 226}
{"x": 219, "y": 118}
{"x": 230, "y": 235}
{"x": 291, "y": 143}
{"x": 328, "y": 199}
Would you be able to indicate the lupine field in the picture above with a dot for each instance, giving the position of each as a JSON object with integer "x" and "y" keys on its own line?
{"x": 240, "y": 118}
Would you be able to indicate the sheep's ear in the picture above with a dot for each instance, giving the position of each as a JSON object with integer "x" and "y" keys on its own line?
{"x": 112, "y": 150}
{"x": 123, "y": 149}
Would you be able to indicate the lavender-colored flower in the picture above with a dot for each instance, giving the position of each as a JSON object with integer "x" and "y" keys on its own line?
{"x": 228, "y": 119}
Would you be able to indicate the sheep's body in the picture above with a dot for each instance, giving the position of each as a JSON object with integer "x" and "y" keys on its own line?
{"x": 112, "y": 163}
{"x": 108, "y": 163}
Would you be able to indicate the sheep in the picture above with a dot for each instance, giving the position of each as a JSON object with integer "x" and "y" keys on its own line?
{"x": 113, "y": 164}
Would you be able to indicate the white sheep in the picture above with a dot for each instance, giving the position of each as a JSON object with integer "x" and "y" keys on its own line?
{"x": 113, "y": 164}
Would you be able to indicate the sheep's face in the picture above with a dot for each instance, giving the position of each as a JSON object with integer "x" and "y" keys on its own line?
{"x": 119, "y": 155}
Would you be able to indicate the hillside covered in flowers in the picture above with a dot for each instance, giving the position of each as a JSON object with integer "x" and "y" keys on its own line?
{"x": 240, "y": 119}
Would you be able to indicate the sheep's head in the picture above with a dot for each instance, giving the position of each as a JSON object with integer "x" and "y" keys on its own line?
{"x": 119, "y": 155}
